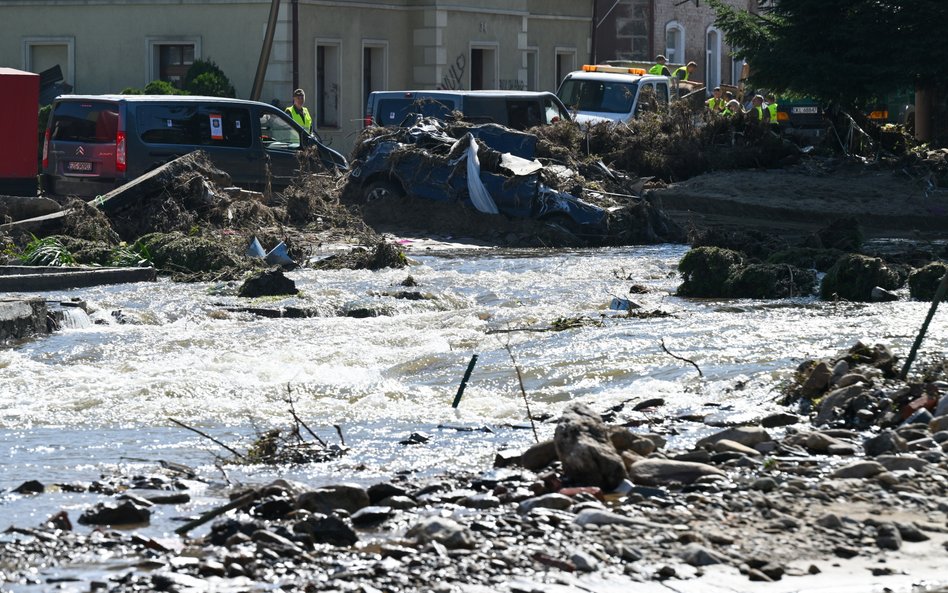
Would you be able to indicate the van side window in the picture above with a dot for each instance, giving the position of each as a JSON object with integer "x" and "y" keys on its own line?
{"x": 661, "y": 90}
{"x": 275, "y": 132}
{"x": 523, "y": 114}
{"x": 88, "y": 122}
{"x": 394, "y": 112}
{"x": 191, "y": 124}
{"x": 552, "y": 112}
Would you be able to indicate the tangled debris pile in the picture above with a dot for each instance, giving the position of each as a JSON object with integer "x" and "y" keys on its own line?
{"x": 187, "y": 220}
{"x": 462, "y": 176}
{"x": 776, "y": 500}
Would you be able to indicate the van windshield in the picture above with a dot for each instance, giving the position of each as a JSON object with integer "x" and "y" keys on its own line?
{"x": 90, "y": 122}
{"x": 598, "y": 95}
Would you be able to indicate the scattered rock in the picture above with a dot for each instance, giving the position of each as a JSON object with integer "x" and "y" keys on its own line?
{"x": 585, "y": 450}
{"x": 655, "y": 472}
{"x": 271, "y": 282}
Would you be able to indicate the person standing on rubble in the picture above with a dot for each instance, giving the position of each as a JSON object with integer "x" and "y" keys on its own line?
{"x": 660, "y": 67}
{"x": 299, "y": 113}
{"x": 757, "y": 111}
{"x": 685, "y": 72}
{"x": 733, "y": 107}
{"x": 772, "y": 109}
{"x": 716, "y": 102}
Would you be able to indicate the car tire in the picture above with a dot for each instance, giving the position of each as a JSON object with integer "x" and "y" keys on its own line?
{"x": 381, "y": 190}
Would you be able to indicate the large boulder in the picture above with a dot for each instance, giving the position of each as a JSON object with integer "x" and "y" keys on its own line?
{"x": 705, "y": 271}
{"x": 267, "y": 283}
{"x": 924, "y": 281}
{"x": 854, "y": 276}
{"x": 585, "y": 449}
{"x": 770, "y": 281}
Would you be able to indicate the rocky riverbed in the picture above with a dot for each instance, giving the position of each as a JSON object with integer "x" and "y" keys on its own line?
{"x": 844, "y": 490}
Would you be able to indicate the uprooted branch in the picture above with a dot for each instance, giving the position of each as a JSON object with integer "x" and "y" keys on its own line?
{"x": 691, "y": 362}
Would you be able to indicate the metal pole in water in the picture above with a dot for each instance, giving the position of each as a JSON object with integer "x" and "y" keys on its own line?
{"x": 939, "y": 295}
{"x": 467, "y": 375}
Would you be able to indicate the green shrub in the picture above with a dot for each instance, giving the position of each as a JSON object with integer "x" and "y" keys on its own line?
{"x": 204, "y": 77}
{"x": 769, "y": 281}
{"x": 162, "y": 87}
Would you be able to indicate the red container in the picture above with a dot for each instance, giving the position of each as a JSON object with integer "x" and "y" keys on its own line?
{"x": 19, "y": 120}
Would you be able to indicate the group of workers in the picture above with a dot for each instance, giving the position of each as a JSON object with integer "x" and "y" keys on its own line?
{"x": 762, "y": 108}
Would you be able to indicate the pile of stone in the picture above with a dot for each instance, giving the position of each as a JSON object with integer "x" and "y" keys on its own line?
{"x": 783, "y": 497}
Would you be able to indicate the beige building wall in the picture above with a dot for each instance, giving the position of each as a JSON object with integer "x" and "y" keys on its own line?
{"x": 105, "y": 46}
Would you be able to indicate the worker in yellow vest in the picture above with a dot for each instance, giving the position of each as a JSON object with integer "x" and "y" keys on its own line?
{"x": 299, "y": 113}
{"x": 716, "y": 103}
{"x": 685, "y": 72}
{"x": 757, "y": 111}
{"x": 660, "y": 67}
{"x": 772, "y": 109}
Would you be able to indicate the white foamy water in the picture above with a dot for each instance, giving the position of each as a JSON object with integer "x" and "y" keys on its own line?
{"x": 96, "y": 399}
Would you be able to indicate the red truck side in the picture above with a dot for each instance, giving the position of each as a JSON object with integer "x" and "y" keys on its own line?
{"x": 19, "y": 120}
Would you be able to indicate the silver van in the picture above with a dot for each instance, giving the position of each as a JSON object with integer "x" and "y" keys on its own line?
{"x": 514, "y": 109}
{"x": 95, "y": 143}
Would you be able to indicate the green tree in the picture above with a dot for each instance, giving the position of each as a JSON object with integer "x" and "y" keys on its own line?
{"x": 204, "y": 77}
{"x": 842, "y": 51}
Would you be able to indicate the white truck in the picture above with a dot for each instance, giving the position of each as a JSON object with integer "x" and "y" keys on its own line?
{"x": 616, "y": 93}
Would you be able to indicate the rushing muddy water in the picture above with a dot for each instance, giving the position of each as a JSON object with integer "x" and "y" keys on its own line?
{"x": 95, "y": 400}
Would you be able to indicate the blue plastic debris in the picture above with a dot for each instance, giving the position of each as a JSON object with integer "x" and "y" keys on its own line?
{"x": 279, "y": 256}
{"x": 255, "y": 249}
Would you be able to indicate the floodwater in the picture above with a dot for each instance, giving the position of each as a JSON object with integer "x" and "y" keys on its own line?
{"x": 95, "y": 399}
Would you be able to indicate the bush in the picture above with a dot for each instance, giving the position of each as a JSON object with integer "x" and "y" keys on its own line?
{"x": 162, "y": 87}
{"x": 769, "y": 281}
{"x": 204, "y": 77}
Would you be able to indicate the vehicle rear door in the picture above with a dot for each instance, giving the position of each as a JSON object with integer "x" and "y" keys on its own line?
{"x": 280, "y": 141}
{"x": 82, "y": 139}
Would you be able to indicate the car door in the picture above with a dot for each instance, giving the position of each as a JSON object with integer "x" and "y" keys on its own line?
{"x": 280, "y": 142}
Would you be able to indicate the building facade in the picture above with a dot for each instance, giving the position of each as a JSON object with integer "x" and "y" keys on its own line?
{"x": 336, "y": 50}
{"x": 682, "y": 31}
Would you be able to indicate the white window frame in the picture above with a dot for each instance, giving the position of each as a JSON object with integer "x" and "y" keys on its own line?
{"x": 712, "y": 59}
{"x": 69, "y": 42}
{"x": 153, "y": 65}
{"x": 533, "y": 50}
{"x": 494, "y": 47}
{"x": 563, "y": 51}
{"x": 675, "y": 55}
{"x": 374, "y": 44}
{"x": 325, "y": 41}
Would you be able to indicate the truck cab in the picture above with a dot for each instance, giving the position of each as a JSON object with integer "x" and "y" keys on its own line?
{"x": 600, "y": 93}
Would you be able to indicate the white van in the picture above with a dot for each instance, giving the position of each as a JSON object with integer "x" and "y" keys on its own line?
{"x": 613, "y": 93}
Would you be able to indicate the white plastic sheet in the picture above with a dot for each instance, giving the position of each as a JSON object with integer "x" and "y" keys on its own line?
{"x": 480, "y": 197}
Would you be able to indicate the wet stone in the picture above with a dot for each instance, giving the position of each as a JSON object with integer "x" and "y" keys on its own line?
{"x": 30, "y": 487}
{"x": 546, "y": 501}
{"x": 327, "y": 530}
{"x": 371, "y": 515}
{"x": 126, "y": 513}
{"x": 780, "y": 419}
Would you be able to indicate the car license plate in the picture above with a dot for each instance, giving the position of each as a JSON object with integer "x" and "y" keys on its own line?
{"x": 813, "y": 109}
{"x": 79, "y": 166}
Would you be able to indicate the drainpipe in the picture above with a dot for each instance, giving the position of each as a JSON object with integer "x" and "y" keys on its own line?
{"x": 296, "y": 44}
{"x": 265, "y": 51}
{"x": 595, "y": 25}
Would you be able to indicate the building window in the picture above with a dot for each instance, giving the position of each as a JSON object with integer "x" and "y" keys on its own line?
{"x": 170, "y": 57}
{"x": 713, "y": 62}
{"x": 737, "y": 70}
{"x": 675, "y": 43}
{"x": 174, "y": 61}
{"x": 483, "y": 68}
{"x": 43, "y": 53}
{"x": 565, "y": 63}
{"x": 374, "y": 69}
{"x": 327, "y": 84}
{"x": 531, "y": 56}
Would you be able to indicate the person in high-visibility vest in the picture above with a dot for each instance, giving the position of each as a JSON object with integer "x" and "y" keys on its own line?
{"x": 733, "y": 107}
{"x": 660, "y": 67}
{"x": 772, "y": 109}
{"x": 757, "y": 110}
{"x": 685, "y": 72}
{"x": 299, "y": 113}
{"x": 716, "y": 102}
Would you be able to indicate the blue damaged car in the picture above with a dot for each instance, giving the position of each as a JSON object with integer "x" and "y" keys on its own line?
{"x": 489, "y": 168}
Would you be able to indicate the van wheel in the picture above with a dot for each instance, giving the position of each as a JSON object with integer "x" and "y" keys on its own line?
{"x": 381, "y": 190}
